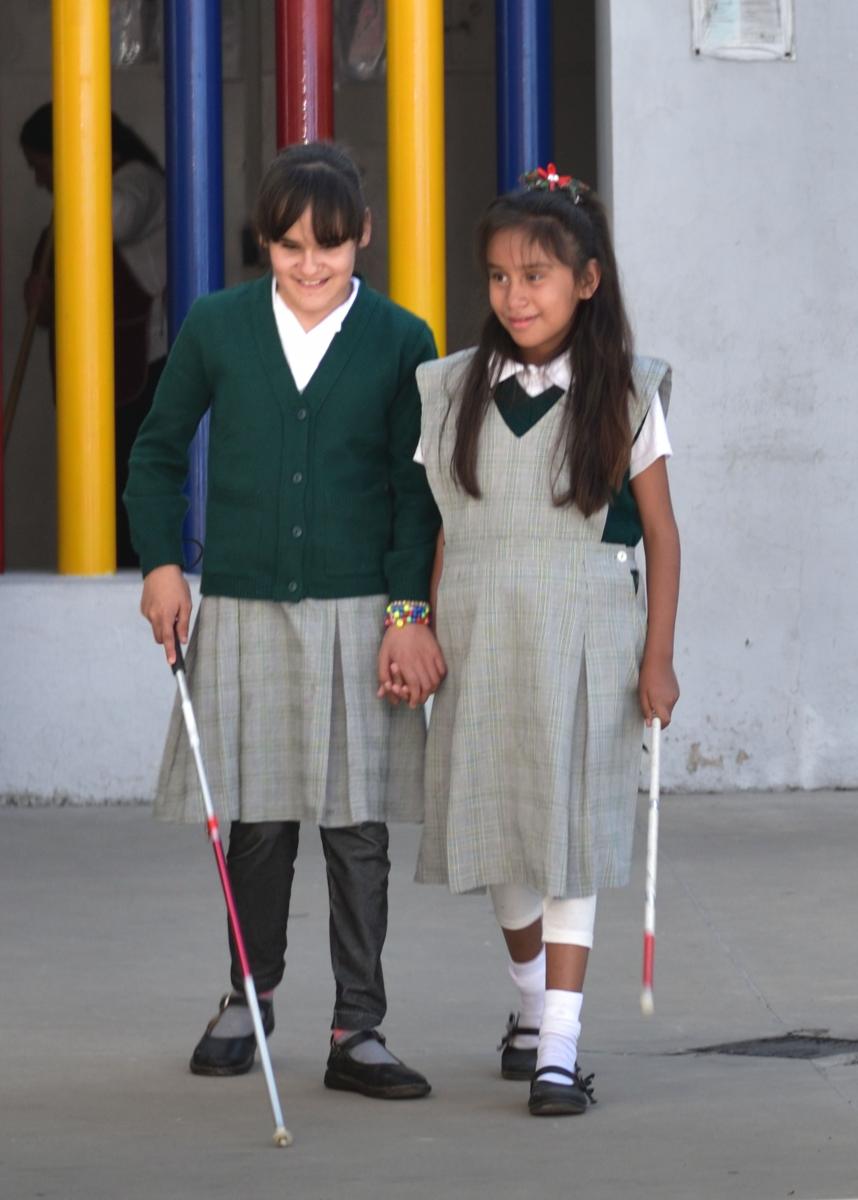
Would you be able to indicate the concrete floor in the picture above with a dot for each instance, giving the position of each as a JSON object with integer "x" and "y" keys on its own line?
{"x": 111, "y": 932}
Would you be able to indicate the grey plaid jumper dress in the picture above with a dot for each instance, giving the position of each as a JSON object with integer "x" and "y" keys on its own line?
{"x": 534, "y": 745}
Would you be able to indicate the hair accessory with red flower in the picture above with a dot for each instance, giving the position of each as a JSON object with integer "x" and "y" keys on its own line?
{"x": 548, "y": 179}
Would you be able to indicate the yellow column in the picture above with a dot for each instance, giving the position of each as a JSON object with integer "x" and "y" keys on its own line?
{"x": 415, "y": 127}
{"x": 84, "y": 287}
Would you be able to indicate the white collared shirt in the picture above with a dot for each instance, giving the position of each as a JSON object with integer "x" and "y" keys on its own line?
{"x": 305, "y": 348}
{"x": 652, "y": 441}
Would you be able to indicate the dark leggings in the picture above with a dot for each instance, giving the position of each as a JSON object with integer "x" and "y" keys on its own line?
{"x": 261, "y": 860}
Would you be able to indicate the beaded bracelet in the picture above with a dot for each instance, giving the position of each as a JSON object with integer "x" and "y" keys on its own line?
{"x": 406, "y": 612}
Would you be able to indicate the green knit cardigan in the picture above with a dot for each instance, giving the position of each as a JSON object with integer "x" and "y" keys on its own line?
{"x": 311, "y": 493}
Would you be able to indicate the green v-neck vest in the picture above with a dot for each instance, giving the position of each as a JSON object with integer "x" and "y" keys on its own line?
{"x": 522, "y": 411}
{"x": 311, "y": 493}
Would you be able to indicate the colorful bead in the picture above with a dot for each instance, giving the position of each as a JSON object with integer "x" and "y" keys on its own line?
{"x": 406, "y": 612}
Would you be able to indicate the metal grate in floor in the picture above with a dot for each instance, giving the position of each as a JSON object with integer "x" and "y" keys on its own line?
{"x": 802, "y": 1043}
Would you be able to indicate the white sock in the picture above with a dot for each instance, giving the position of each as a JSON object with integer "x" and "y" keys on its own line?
{"x": 236, "y": 1020}
{"x": 559, "y": 1033}
{"x": 529, "y": 978}
{"x": 369, "y": 1051}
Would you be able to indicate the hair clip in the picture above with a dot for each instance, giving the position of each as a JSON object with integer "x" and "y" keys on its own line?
{"x": 548, "y": 179}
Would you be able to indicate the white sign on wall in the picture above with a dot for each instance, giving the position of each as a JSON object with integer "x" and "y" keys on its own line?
{"x": 744, "y": 29}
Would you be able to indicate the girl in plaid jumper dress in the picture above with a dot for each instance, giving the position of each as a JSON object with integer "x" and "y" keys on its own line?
{"x": 546, "y": 448}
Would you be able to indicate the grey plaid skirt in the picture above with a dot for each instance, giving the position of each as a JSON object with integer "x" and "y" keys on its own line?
{"x": 534, "y": 745}
{"x": 290, "y": 727}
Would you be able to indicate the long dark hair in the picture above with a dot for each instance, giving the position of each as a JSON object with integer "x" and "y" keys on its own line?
{"x": 318, "y": 175}
{"x": 595, "y": 438}
{"x": 37, "y": 135}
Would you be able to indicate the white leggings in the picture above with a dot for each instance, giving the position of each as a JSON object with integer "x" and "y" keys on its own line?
{"x": 570, "y": 922}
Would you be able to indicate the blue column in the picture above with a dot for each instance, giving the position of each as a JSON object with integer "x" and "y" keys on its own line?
{"x": 525, "y": 128}
{"x": 194, "y": 117}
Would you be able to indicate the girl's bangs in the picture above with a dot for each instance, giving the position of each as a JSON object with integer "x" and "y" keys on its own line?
{"x": 541, "y": 230}
{"x": 545, "y": 235}
{"x": 337, "y": 217}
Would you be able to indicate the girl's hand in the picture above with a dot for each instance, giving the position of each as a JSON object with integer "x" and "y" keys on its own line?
{"x": 410, "y": 665}
{"x": 658, "y": 690}
{"x": 394, "y": 688}
{"x": 166, "y": 605}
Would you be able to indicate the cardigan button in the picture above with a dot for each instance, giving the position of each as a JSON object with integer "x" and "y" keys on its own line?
{"x": 297, "y": 477}
{"x": 297, "y": 531}
{"x": 292, "y": 586}
{"x": 301, "y": 414}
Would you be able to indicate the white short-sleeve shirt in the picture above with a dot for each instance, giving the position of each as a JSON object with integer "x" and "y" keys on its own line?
{"x": 652, "y": 441}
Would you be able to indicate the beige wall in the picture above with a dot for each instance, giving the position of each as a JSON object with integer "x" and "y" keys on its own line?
{"x": 733, "y": 188}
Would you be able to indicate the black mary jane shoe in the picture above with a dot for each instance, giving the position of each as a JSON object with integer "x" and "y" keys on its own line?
{"x": 384, "y": 1081}
{"x": 517, "y": 1063}
{"x": 560, "y": 1099}
{"x": 229, "y": 1056}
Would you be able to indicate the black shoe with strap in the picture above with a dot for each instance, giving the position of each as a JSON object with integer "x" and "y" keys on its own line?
{"x": 549, "y": 1099}
{"x": 229, "y": 1055}
{"x": 516, "y": 1062}
{"x": 384, "y": 1080}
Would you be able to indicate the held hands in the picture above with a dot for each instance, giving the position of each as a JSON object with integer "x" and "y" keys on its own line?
{"x": 166, "y": 605}
{"x": 410, "y": 665}
{"x": 658, "y": 690}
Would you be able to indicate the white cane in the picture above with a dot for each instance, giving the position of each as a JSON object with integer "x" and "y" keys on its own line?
{"x": 282, "y": 1136}
{"x": 647, "y": 1004}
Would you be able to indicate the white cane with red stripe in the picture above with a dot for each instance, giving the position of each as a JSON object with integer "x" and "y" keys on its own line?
{"x": 282, "y": 1136}
{"x": 647, "y": 1003}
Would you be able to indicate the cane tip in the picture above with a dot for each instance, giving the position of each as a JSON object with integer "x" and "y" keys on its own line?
{"x": 647, "y": 1002}
{"x": 282, "y": 1137}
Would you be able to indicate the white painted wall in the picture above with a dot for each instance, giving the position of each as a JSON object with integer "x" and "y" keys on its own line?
{"x": 85, "y": 694}
{"x": 733, "y": 192}
{"x": 733, "y": 189}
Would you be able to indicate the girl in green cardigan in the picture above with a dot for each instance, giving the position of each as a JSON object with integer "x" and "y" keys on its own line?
{"x": 317, "y": 521}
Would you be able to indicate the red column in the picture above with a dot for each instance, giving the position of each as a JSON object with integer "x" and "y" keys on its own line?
{"x": 305, "y": 70}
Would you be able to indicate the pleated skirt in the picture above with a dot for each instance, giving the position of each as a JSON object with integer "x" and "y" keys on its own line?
{"x": 290, "y": 726}
{"x": 535, "y": 738}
